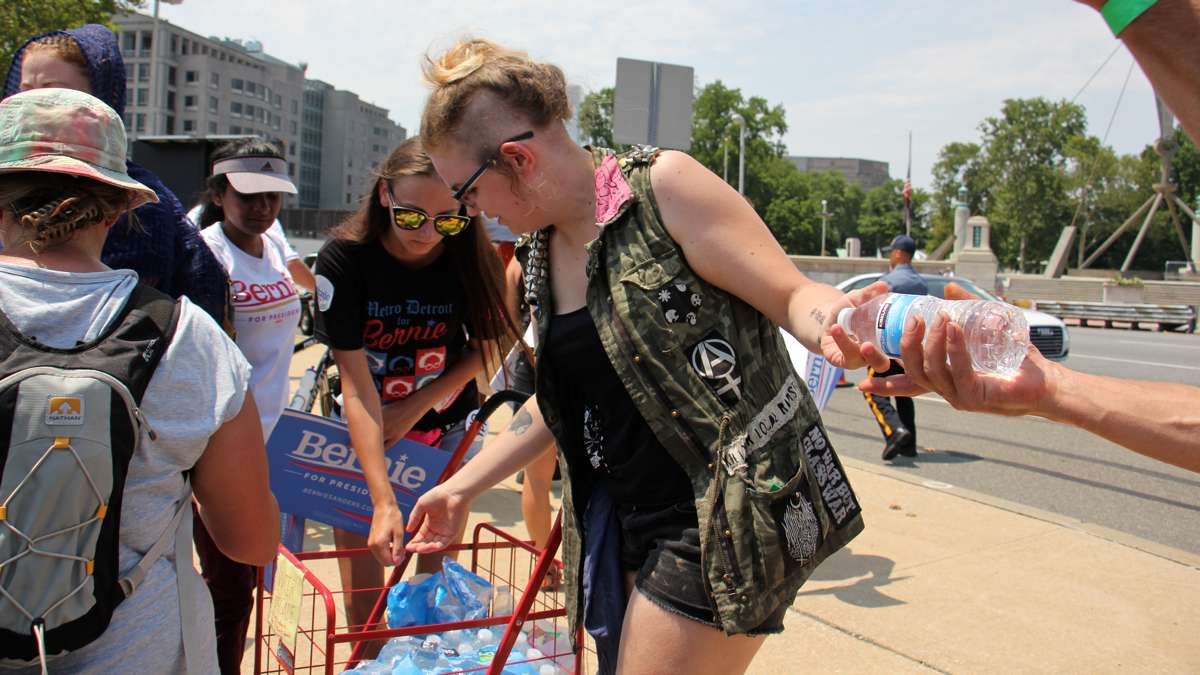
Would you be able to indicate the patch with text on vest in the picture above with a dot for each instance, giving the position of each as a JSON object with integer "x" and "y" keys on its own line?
{"x": 836, "y": 494}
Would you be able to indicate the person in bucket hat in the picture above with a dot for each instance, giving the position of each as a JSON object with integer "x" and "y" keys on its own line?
{"x": 67, "y": 132}
{"x": 63, "y": 186}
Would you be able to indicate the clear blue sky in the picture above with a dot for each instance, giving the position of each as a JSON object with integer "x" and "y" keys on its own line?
{"x": 854, "y": 75}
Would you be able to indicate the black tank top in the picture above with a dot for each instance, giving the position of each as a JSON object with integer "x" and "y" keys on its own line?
{"x": 605, "y": 431}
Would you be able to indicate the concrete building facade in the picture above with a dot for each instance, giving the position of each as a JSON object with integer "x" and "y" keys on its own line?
{"x": 868, "y": 173}
{"x": 183, "y": 84}
{"x": 355, "y": 138}
{"x": 198, "y": 86}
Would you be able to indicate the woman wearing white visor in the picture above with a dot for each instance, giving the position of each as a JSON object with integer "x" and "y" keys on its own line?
{"x": 245, "y": 192}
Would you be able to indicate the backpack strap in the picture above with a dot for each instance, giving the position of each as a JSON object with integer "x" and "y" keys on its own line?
{"x": 150, "y": 318}
{"x": 178, "y": 535}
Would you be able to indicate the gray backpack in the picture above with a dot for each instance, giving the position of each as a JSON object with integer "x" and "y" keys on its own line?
{"x": 69, "y": 425}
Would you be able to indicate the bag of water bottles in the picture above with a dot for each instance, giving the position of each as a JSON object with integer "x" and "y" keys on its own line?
{"x": 452, "y": 595}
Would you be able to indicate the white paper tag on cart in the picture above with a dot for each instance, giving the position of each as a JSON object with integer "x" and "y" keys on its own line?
{"x": 285, "y": 603}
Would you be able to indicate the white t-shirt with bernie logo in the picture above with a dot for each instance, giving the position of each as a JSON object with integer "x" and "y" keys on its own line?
{"x": 266, "y": 309}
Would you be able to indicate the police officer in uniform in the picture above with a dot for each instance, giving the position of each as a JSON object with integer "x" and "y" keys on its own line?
{"x": 898, "y": 423}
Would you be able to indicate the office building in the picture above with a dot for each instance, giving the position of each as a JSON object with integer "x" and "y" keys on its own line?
{"x": 194, "y": 86}
{"x": 345, "y": 140}
{"x": 866, "y": 172}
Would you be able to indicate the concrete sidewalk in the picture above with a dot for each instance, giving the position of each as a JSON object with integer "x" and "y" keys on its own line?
{"x": 947, "y": 580}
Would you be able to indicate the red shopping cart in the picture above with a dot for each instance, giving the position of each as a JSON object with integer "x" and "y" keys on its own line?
{"x": 318, "y": 644}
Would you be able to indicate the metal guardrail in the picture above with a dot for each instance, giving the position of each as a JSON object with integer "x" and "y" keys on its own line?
{"x": 1166, "y": 317}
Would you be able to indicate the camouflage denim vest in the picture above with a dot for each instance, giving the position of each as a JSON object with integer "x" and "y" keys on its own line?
{"x": 713, "y": 380}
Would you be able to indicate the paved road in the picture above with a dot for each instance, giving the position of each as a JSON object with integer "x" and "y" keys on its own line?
{"x": 1049, "y": 466}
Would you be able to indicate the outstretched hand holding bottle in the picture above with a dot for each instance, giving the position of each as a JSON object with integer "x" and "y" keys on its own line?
{"x": 996, "y": 333}
{"x": 1156, "y": 419}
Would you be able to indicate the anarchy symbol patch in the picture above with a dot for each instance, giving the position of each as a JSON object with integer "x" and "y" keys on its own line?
{"x": 715, "y": 361}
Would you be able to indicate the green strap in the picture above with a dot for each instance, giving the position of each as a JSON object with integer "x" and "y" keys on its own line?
{"x": 1120, "y": 13}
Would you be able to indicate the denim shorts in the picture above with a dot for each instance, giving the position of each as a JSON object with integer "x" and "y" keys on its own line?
{"x": 662, "y": 544}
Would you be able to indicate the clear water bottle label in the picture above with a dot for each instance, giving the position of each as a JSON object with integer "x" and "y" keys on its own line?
{"x": 889, "y": 324}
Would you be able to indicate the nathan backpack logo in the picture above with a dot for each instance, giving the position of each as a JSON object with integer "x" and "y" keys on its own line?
{"x": 70, "y": 422}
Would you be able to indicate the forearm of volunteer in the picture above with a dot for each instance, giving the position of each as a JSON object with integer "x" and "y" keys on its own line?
{"x": 1156, "y": 419}
{"x": 809, "y": 312}
{"x": 523, "y": 441}
{"x": 360, "y": 406}
{"x": 1165, "y": 40}
{"x": 366, "y": 435}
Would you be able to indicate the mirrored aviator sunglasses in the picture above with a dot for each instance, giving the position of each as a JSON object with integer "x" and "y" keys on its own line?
{"x": 412, "y": 219}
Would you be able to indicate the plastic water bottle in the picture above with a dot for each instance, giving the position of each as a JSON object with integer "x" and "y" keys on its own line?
{"x": 486, "y": 637}
{"x": 370, "y": 668}
{"x": 406, "y": 666}
{"x": 466, "y": 649}
{"x": 502, "y": 601}
{"x": 304, "y": 389}
{"x": 996, "y": 333}
{"x": 511, "y": 668}
{"x": 426, "y": 656}
{"x": 397, "y": 648}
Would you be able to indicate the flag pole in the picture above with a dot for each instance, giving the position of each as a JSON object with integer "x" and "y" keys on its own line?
{"x": 908, "y": 191}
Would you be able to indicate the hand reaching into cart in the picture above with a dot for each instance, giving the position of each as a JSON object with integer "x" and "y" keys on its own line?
{"x": 437, "y": 519}
{"x": 441, "y": 513}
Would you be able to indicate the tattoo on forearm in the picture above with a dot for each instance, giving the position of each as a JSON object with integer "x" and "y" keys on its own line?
{"x": 818, "y": 316}
{"x": 521, "y": 422}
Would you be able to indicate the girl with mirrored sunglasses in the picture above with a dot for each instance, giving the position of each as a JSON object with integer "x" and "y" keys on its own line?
{"x": 410, "y": 298}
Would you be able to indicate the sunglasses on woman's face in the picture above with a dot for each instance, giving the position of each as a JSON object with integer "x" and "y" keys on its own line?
{"x": 408, "y": 218}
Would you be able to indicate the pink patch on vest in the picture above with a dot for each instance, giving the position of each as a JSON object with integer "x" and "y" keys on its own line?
{"x": 611, "y": 190}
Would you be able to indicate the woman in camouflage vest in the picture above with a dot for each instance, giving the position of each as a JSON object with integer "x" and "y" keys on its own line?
{"x": 686, "y": 441}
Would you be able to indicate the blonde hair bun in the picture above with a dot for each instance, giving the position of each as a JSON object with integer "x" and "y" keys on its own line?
{"x": 535, "y": 90}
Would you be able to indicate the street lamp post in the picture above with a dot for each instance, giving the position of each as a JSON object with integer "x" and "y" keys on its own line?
{"x": 725, "y": 154}
{"x": 155, "y": 99}
{"x": 824, "y": 223}
{"x": 741, "y": 122}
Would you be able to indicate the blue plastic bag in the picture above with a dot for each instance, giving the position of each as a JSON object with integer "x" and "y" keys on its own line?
{"x": 452, "y": 595}
{"x": 409, "y": 601}
{"x": 460, "y": 596}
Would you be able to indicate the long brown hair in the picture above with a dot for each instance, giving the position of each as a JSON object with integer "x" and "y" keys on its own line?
{"x": 474, "y": 259}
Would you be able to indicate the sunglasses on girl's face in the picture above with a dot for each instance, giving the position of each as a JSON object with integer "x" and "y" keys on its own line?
{"x": 408, "y": 218}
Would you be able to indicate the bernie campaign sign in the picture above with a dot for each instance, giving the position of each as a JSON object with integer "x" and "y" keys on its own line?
{"x": 315, "y": 473}
{"x": 819, "y": 375}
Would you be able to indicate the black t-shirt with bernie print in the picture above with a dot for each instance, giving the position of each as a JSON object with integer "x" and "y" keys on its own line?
{"x": 410, "y": 323}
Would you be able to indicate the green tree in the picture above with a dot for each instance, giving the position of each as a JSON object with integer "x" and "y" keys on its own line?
{"x": 1025, "y": 166}
{"x": 958, "y": 164}
{"x": 595, "y": 118}
{"x": 23, "y": 19}
{"x": 715, "y": 136}
{"x": 882, "y": 217}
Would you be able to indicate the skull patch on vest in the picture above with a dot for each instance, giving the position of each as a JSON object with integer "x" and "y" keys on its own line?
{"x": 679, "y": 303}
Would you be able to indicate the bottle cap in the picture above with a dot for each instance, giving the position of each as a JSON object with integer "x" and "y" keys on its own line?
{"x": 844, "y": 319}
